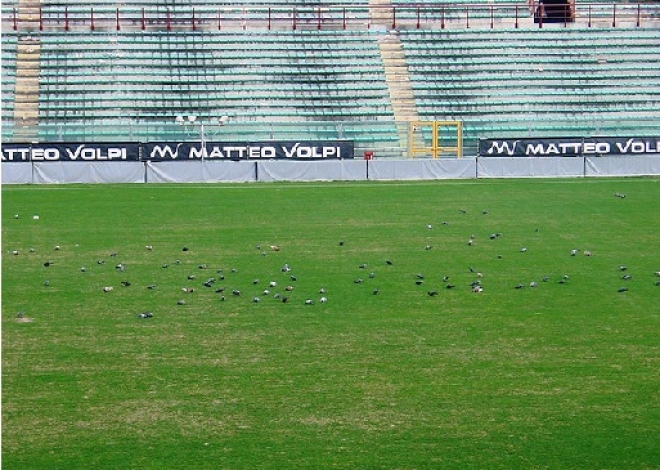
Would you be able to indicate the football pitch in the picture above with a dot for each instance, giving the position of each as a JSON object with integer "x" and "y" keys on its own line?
{"x": 482, "y": 324}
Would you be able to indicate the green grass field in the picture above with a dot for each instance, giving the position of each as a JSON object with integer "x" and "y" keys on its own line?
{"x": 564, "y": 375}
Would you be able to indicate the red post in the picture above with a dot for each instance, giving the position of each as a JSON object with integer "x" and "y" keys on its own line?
{"x": 91, "y": 18}
{"x": 467, "y": 17}
{"x": 66, "y": 17}
{"x": 41, "y": 20}
{"x": 219, "y": 20}
{"x": 442, "y": 18}
{"x": 540, "y": 10}
{"x": 268, "y": 18}
{"x": 393, "y": 17}
{"x": 15, "y": 20}
{"x": 194, "y": 26}
{"x": 144, "y": 21}
{"x": 117, "y": 16}
{"x": 294, "y": 18}
{"x": 318, "y": 17}
{"x": 344, "y": 19}
{"x": 492, "y": 17}
{"x": 589, "y": 22}
{"x": 614, "y": 15}
{"x": 639, "y": 15}
{"x": 169, "y": 23}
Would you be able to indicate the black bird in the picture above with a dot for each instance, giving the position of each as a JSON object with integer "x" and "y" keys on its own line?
{"x": 100, "y": 261}
{"x": 151, "y": 286}
{"x": 255, "y": 281}
{"x": 234, "y": 270}
{"x": 125, "y": 283}
{"x": 236, "y": 292}
{"x": 419, "y": 282}
{"x": 309, "y": 302}
{"x": 362, "y": 266}
{"x": 222, "y": 298}
{"x": 48, "y": 263}
{"x": 285, "y": 299}
{"x": 191, "y": 277}
{"x": 219, "y": 290}
{"x": 358, "y": 281}
{"x": 372, "y": 275}
{"x": 428, "y": 247}
{"x": 388, "y": 262}
{"x": 181, "y": 302}
{"x": 450, "y": 286}
{"x": 341, "y": 243}
{"x": 145, "y": 315}
{"x": 256, "y": 300}
{"x": 626, "y": 277}
{"x": 294, "y": 278}
{"x": 165, "y": 265}
{"x": 419, "y": 276}
{"x": 208, "y": 284}
{"x": 376, "y": 291}
{"x": 446, "y": 278}
{"x": 484, "y": 212}
{"x": 623, "y": 267}
{"x": 545, "y": 279}
{"x": 113, "y": 254}
{"x": 462, "y": 211}
{"x": 472, "y": 270}
{"x": 432, "y": 293}
{"x": 520, "y": 286}
{"x": 185, "y": 248}
{"x": 203, "y": 266}
{"x": 46, "y": 283}
{"x": 622, "y": 289}
{"x": 657, "y": 283}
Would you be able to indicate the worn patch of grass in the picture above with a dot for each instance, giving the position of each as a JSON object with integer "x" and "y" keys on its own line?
{"x": 562, "y": 375}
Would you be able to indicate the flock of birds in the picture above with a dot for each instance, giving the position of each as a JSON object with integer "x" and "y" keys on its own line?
{"x": 283, "y": 293}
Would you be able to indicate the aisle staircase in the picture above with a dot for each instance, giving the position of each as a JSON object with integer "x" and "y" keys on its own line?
{"x": 26, "y": 92}
{"x": 399, "y": 84}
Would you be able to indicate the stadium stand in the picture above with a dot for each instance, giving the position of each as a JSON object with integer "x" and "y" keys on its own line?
{"x": 94, "y": 70}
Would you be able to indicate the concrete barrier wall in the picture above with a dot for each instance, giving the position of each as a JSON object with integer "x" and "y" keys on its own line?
{"x": 328, "y": 170}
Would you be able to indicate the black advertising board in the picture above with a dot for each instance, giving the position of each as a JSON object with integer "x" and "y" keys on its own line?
{"x": 569, "y": 146}
{"x": 71, "y": 152}
{"x": 264, "y": 150}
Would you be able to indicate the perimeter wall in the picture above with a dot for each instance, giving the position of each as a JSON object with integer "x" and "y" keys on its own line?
{"x": 64, "y": 172}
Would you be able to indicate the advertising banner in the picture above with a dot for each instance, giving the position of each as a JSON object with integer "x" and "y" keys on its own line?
{"x": 268, "y": 150}
{"x": 569, "y": 146}
{"x": 71, "y": 152}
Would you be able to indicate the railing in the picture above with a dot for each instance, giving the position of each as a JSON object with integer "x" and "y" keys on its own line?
{"x": 332, "y": 17}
